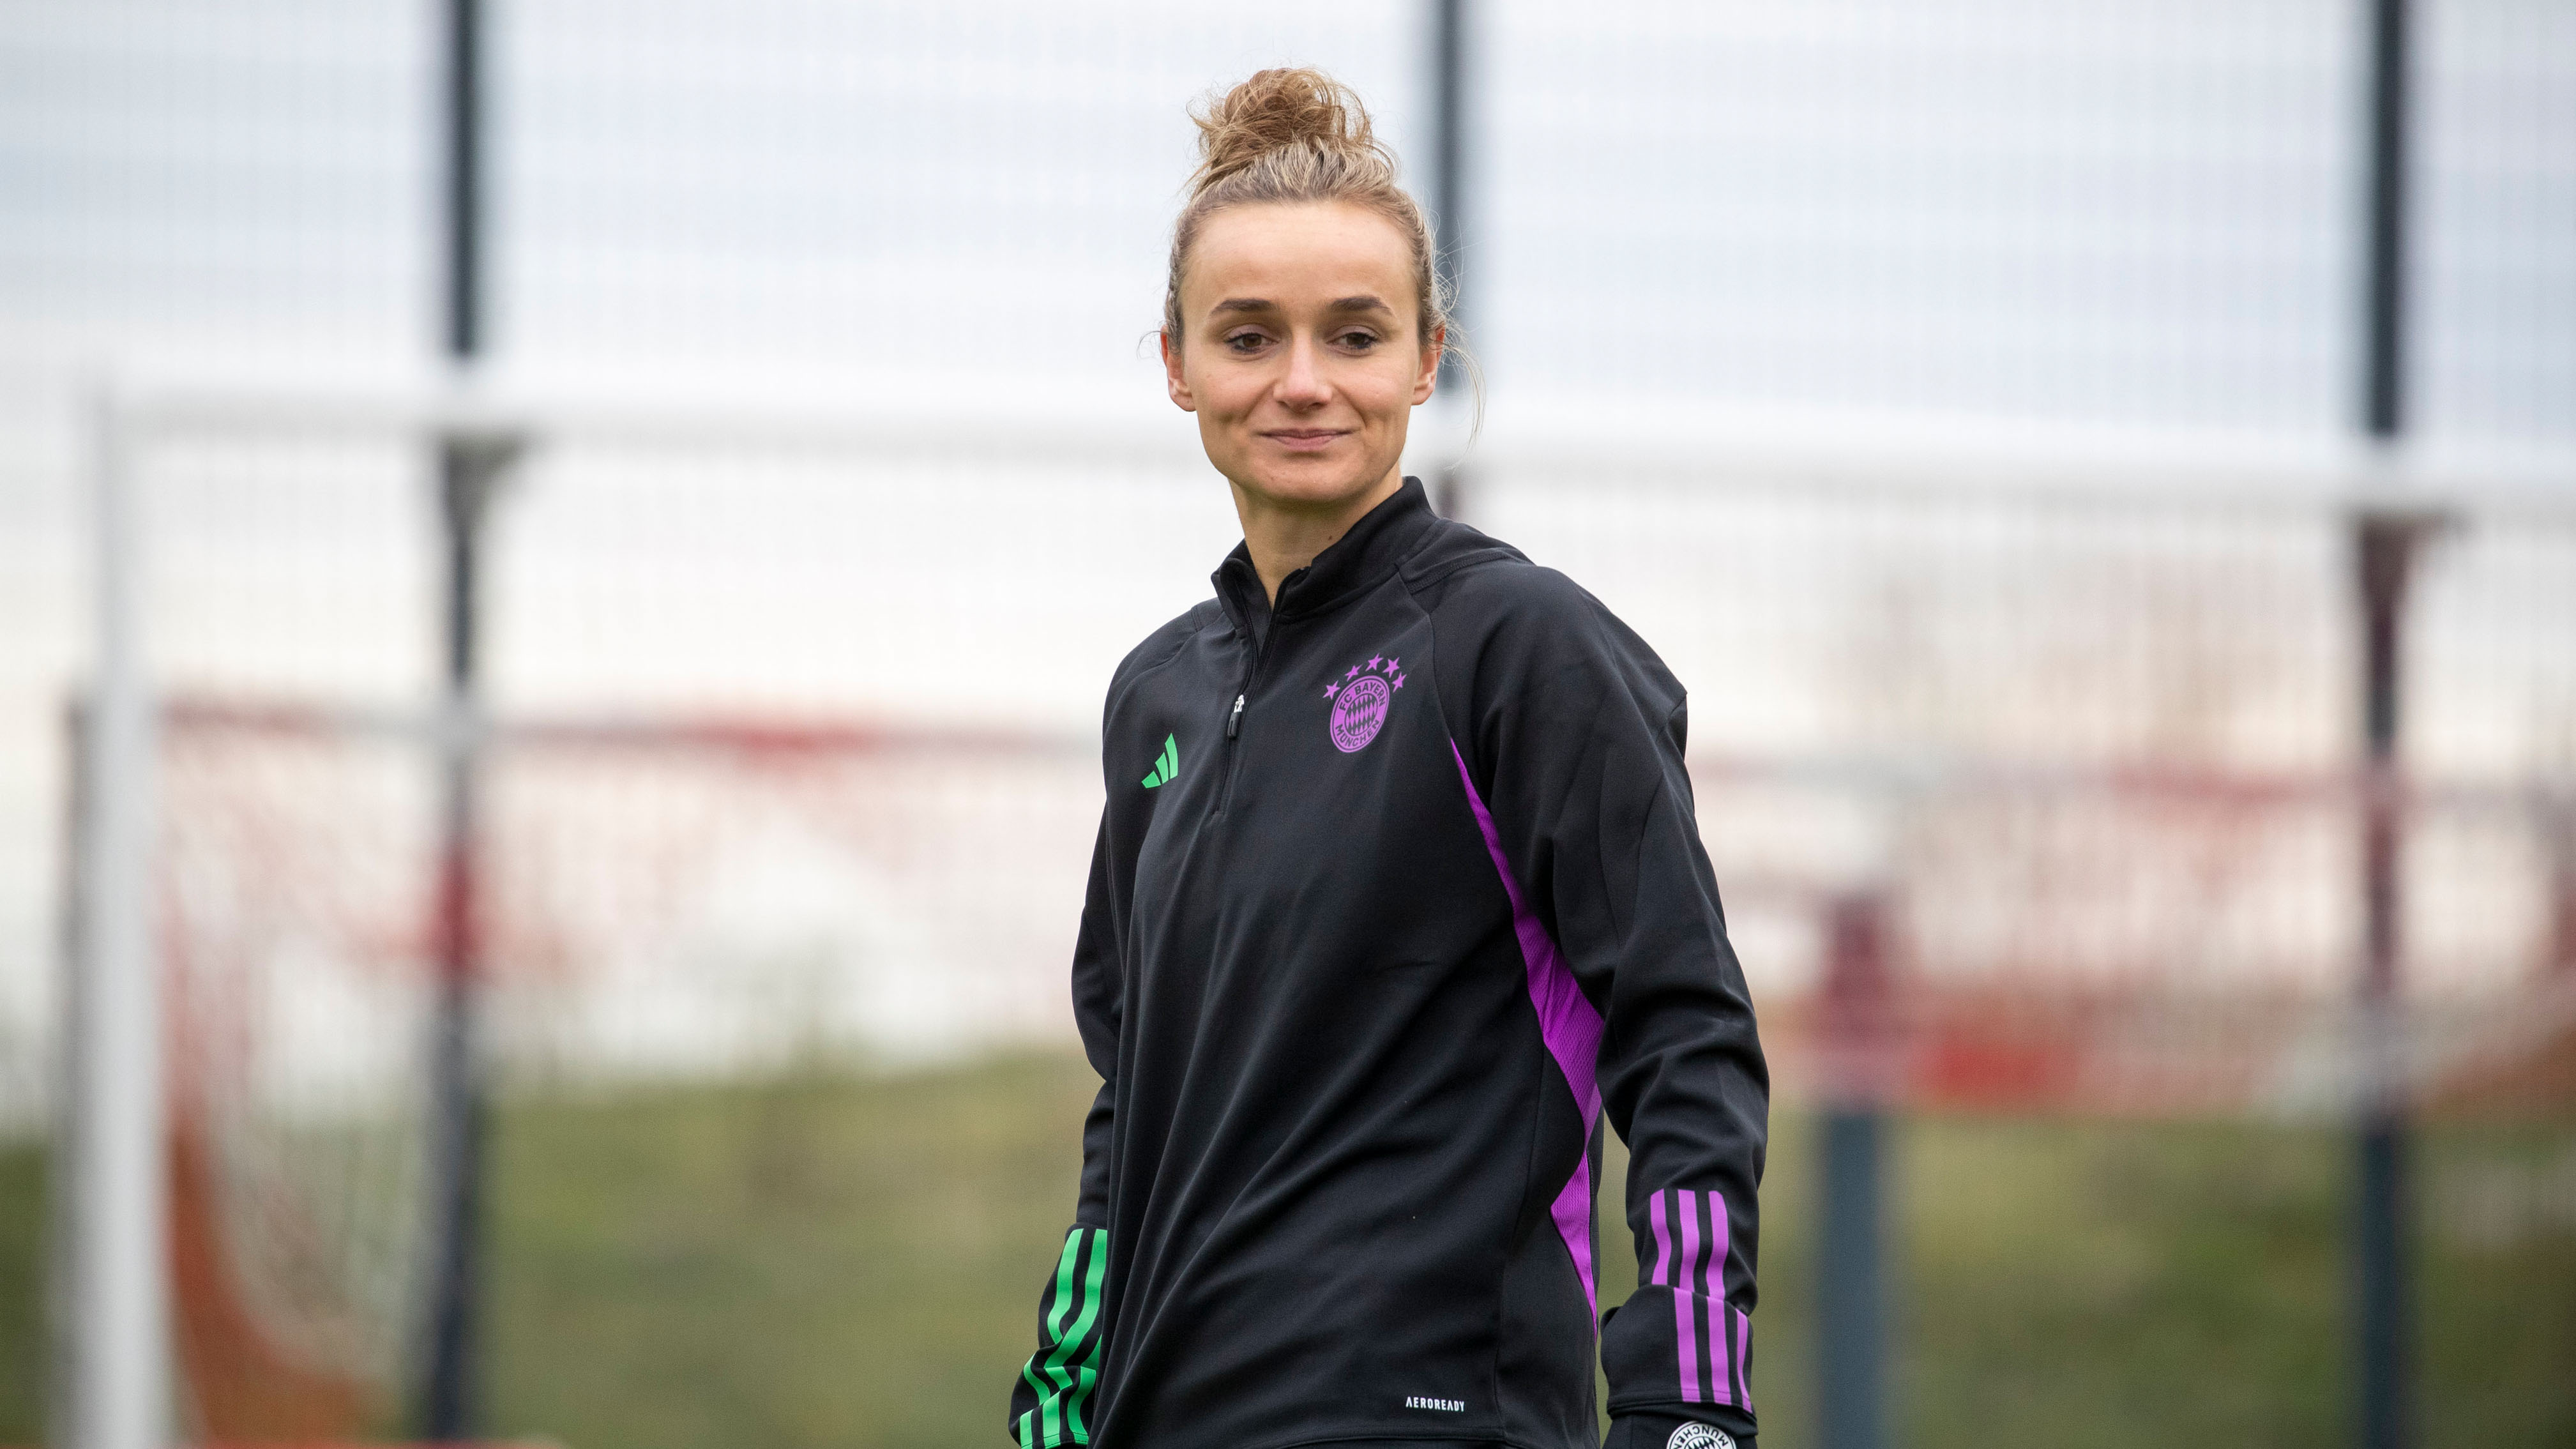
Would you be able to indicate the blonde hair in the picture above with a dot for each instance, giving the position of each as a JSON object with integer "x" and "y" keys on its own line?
{"x": 1296, "y": 135}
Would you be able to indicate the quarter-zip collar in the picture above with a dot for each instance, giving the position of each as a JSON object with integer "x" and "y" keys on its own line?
{"x": 1359, "y": 560}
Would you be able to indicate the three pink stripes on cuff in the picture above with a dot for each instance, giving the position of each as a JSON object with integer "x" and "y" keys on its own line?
{"x": 1711, "y": 1341}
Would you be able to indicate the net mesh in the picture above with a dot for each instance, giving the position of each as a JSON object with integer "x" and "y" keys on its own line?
{"x": 663, "y": 898}
{"x": 294, "y": 878}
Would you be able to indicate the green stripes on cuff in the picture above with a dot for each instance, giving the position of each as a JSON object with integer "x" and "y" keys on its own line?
{"x": 1066, "y": 1366}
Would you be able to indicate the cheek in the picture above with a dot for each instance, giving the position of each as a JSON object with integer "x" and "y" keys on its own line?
{"x": 1224, "y": 391}
{"x": 1386, "y": 386}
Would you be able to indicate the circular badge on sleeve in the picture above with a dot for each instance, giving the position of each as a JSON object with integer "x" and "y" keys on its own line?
{"x": 1700, "y": 1436}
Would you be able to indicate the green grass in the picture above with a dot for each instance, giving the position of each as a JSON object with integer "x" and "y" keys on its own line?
{"x": 855, "y": 1262}
{"x": 807, "y": 1263}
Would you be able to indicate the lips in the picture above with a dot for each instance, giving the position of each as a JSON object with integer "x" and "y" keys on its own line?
{"x": 1305, "y": 440}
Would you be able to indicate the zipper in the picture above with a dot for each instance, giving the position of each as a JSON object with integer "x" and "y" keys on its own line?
{"x": 1234, "y": 718}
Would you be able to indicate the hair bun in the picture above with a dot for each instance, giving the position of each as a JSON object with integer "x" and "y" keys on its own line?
{"x": 1278, "y": 110}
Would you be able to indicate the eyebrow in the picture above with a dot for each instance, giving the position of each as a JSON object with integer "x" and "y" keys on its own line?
{"x": 1263, "y": 304}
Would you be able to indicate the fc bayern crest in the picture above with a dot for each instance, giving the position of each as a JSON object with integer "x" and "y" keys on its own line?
{"x": 1361, "y": 698}
{"x": 1699, "y": 1436}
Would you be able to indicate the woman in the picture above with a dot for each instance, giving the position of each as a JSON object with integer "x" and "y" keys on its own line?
{"x": 1397, "y": 891}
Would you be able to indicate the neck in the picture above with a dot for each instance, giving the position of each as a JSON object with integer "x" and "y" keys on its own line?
{"x": 1285, "y": 537}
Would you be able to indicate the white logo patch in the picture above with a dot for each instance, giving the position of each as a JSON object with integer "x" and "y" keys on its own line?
{"x": 1700, "y": 1436}
{"x": 1453, "y": 1406}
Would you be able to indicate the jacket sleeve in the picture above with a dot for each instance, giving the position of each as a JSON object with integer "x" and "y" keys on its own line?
{"x": 1051, "y": 1402}
{"x": 1581, "y": 732}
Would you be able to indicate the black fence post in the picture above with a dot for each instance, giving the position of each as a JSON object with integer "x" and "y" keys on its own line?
{"x": 2384, "y": 272}
{"x": 467, "y": 471}
{"x": 2384, "y": 548}
{"x": 1449, "y": 210}
{"x": 456, "y": 1077}
{"x": 1851, "y": 1309}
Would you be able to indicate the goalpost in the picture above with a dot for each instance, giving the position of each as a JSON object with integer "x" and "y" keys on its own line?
{"x": 112, "y": 1368}
{"x": 289, "y": 1210}
{"x": 2028, "y": 774}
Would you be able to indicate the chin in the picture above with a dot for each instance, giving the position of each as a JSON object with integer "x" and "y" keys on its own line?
{"x": 1314, "y": 481}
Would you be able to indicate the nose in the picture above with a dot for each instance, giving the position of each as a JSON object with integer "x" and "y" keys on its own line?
{"x": 1303, "y": 386}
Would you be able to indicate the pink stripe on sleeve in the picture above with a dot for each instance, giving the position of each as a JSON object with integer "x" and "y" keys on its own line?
{"x": 1685, "y": 1322}
{"x": 1568, "y": 1027}
{"x": 1712, "y": 1284}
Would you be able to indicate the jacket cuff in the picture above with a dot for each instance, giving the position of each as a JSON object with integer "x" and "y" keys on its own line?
{"x": 1705, "y": 1427}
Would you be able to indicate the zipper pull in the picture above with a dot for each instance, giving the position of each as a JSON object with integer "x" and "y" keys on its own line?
{"x": 1234, "y": 720}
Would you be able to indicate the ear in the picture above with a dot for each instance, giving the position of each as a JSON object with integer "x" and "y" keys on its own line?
{"x": 1428, "y": 378}
{"x": 1182, "y": 397}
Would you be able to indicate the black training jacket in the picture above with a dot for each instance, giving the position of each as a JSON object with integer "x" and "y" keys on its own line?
{"x": 1398, "y": 891}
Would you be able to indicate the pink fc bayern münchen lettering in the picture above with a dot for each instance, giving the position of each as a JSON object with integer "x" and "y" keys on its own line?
{"x": 1359, "y": 712}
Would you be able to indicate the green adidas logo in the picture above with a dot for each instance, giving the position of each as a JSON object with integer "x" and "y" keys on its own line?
{"x": 1167, "y": 766}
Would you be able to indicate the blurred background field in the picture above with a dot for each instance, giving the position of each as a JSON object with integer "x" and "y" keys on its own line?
{"x": 1980, "y": 404}
{"x": 817, "y": 1260}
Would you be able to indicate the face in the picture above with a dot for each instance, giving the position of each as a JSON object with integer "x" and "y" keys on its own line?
{"x": 1299, "y": 350}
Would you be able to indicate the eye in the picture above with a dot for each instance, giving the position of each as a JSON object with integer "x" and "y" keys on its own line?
{"x": 1247, "y": 341}
{"x": 1357, "y": 340}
